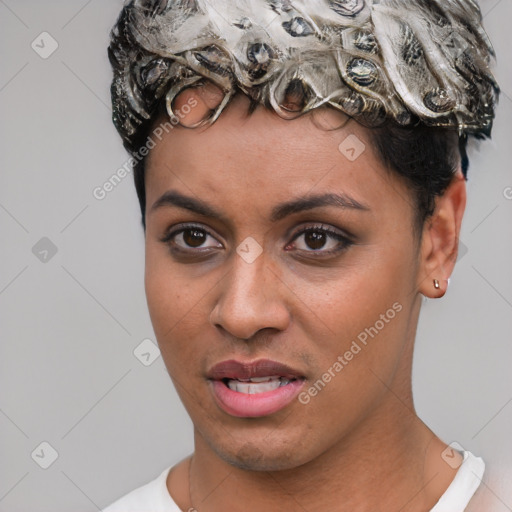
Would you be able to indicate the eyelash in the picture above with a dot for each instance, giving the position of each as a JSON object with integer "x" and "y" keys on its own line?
{"x": 343, "y": 240}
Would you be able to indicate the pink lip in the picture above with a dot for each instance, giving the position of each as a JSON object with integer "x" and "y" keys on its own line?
{"x": 233, "y": 369}
{"x": 260, "y": 404}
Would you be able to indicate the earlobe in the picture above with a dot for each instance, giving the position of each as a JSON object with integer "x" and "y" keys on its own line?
{"x": 440, "y": 240}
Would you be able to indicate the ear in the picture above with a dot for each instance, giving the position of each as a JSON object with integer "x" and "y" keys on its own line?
{"x": 440, "y": 239}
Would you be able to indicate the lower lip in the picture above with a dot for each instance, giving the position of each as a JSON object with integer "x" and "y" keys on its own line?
{"x": 243, "y": 405}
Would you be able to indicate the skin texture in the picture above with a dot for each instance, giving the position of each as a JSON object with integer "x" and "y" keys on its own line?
{"x": 358, "y": 444}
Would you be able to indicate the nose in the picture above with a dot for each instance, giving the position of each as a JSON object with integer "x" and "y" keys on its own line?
{"x": 250, "y": 298}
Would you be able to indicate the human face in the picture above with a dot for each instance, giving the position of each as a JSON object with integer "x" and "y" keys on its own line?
{"x": 247, "y": 285}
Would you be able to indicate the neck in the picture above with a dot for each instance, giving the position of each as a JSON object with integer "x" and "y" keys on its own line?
{"x": 389, "y": 461}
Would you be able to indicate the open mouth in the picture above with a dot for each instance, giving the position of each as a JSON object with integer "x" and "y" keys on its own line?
{"x": 256, "y": 385}
{"x": 254, "y": 389}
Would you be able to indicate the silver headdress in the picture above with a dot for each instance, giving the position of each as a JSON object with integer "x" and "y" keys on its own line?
{"x": 411, "y": 61}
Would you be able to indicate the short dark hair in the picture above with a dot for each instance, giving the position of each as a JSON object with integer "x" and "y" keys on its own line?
{"x": 426, "y": 158}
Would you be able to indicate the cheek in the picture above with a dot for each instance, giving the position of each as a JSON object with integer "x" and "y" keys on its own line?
{"x": 170, "y": 297}
{"x": 349, "y": 299}
{"x": 364, "y": 311}
{"x": 178, "y": 303}
{"x": 358, "y": 361}
{"x": 162, "y": 293}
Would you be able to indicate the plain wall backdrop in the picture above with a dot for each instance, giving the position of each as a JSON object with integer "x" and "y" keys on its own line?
{"x": 72, "y": 306}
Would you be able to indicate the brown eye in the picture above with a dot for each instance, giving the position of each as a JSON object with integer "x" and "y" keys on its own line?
{"x": 188, "y": 238}
{"x": 194, "y": 237}
{"x": 315, "y": 239}
{"x": 320, "y": 240}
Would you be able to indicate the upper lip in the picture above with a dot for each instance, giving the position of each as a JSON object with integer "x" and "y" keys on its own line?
{"x": 233, "y": 369}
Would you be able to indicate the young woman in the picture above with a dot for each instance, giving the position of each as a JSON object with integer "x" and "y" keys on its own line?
{"x": 301, "y": 172}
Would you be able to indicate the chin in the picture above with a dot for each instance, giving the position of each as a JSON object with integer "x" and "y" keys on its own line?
{"x": 251, "y": 458}
{"x": 258, "y": 453}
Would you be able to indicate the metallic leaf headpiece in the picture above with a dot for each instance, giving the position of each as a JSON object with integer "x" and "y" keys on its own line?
{"x": 411, "y": 61}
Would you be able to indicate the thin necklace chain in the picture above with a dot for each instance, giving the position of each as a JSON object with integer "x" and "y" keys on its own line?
{"x": 192, "y": 508}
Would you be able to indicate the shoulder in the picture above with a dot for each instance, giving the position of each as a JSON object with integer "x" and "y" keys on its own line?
{"x": 151, "y": 497}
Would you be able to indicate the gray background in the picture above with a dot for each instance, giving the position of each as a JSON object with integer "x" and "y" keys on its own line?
{"x": 70, "y": 321}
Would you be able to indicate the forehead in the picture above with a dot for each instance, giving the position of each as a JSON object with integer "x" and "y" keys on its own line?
{"x": 260, "y": 157}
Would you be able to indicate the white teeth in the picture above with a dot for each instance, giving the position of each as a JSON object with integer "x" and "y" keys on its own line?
{"x": 260, "y": 379}
{"x": 257, "y": 384}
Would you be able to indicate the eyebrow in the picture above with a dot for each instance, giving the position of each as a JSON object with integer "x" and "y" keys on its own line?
{"x": 279, "y": 212}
